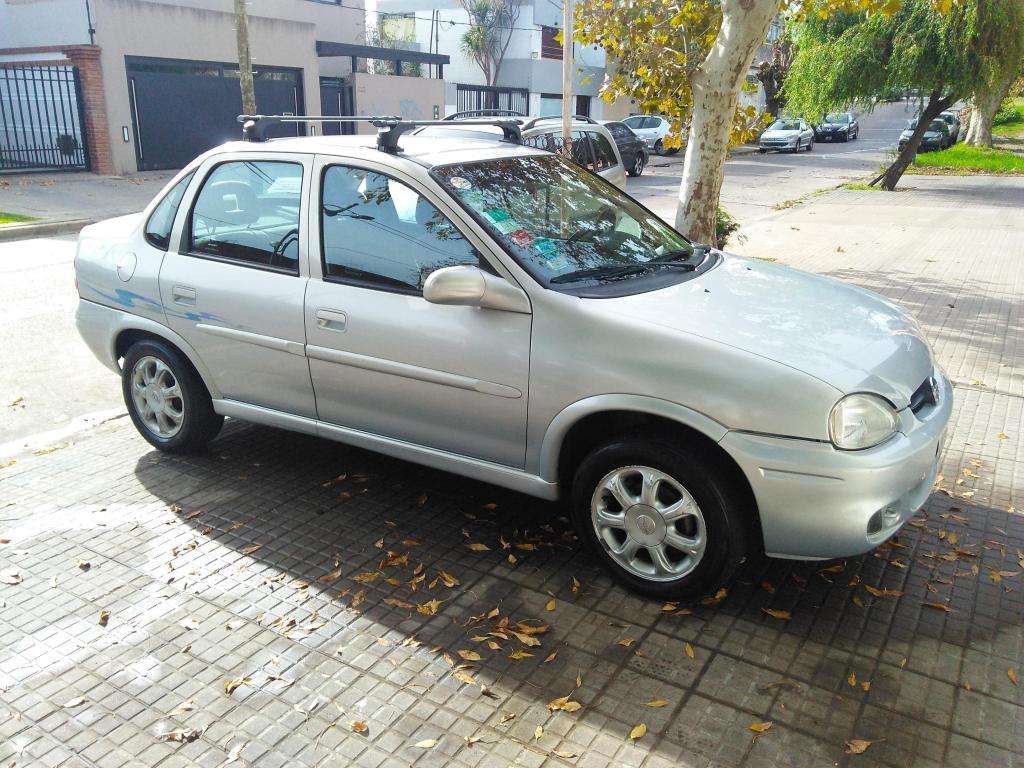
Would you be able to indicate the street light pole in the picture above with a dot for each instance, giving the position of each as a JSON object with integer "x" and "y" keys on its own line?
{"x": 567, "y": 73}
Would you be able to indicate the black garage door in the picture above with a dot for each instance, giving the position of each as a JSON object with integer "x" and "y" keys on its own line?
{"x": 182, "y": 108}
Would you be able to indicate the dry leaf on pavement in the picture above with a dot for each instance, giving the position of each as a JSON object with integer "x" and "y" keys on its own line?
{"x": 760, "y": 727}
{"x": 359, "y": 726}
{"x": 657, "y": 703}
{"x": 10, "y": 577}
{"x": 1012, "y": 674}
{"x": 859, "y": 746}
{"x": 777, "y": 614}
{"x": 104, "y": 618}
{"x": 426, "y": 743}
{"x": 638, "y": 732}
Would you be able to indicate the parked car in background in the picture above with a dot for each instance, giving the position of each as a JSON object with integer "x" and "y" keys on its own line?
{"x": 481, "y": 307}
{"x": 838, "y": 126}
{"x": 952, "y": 121}
{"x": 632, "y": 148}
{"x": 652, "y": 129}
{"x": 936, "y": 137}
{"x": 593, "y": 146}
{"x": 787, "y": 134}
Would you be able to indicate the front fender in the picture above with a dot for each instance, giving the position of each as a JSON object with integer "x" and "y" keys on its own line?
{"x": 554, "y": 436}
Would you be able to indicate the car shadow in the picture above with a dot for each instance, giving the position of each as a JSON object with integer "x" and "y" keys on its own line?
{"x": 343, "y": 551}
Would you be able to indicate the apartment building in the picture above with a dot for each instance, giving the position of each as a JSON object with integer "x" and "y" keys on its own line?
{"x": 116, "y": 86}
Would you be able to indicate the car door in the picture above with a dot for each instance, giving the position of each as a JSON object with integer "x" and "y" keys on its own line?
{"x": 607, "y": 163}
{"x": 806, "y": 134}
{"x": 233, "y": 287}
{"x": 383, "y": 360}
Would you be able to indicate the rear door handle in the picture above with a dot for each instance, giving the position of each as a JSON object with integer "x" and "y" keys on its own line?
{"x": 183, "y": 294}
{"x": 331, "y": 319}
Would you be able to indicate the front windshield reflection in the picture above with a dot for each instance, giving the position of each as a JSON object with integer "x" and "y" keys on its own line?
{"x": 564, "y": 225}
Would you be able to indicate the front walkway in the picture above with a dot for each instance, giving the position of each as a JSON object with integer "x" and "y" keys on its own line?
{"x": 288, "y": 601}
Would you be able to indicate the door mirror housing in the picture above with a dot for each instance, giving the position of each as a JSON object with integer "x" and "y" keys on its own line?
{"x": 470, "y": 286}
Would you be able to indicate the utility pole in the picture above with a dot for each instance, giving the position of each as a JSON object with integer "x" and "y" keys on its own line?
{"x": 244, "y": 59}
{"x": 567, "y": 75}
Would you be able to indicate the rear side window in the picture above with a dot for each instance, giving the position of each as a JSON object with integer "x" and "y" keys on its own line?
{"x": 158, "y": 228}
{"x": 380, "y": 233}
{"x": 604, "y": 155}
{"x": 553, "y": 142}
{"x": 634, "y": 122}
{"x": 248, "y": 212}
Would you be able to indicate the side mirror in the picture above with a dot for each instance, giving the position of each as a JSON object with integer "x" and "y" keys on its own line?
{"x": 469, "y": 286}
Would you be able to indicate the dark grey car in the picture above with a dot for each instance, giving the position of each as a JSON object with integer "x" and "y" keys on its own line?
{"x": 838, "y": 126}
{"x": 631, "y": 147}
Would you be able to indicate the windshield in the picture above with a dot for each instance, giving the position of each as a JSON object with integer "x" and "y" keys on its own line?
{"x": 564, "y": 225}
{"x": 784, "y": 125}
{"x": 840, "y": 117}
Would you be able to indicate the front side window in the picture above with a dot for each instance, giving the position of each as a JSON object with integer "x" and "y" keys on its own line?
{"x": 569, "y": 229}
{"x": 158, "y": 228}
{"x": 604, "y": 155}
{"x": 248, "y": 212}
{"x": 634, "y": 122}
{"x": 552, "y": 141}
{"x": 380, "y": 233}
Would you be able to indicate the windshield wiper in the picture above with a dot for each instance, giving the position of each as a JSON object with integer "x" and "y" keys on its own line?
{"x": 608, "y": 272}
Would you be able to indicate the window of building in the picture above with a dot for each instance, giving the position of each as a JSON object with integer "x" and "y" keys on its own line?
{"x": 550, "y": 47}
{"x": 248, "y": 212}
{"x": 380, "y": 233}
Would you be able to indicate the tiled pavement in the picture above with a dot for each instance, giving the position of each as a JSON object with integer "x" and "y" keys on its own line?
{"x": 238, "y": 566}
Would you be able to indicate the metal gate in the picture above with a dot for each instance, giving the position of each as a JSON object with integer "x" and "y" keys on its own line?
{"x": 41, "y": 119}
{"x": 182, "y": 108}
{"x": 336, "y": 99}
{"x": 469, "y": 97}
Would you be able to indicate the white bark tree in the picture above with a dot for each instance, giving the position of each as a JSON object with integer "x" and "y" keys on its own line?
{"x": 716, "y": 84}
{"x": 987, "y": 99}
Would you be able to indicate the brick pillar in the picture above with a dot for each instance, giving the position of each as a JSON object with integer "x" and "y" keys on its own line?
{"x": 97, "y": 131}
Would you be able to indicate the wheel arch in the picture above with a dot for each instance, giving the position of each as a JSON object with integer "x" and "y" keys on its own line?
{"x": 140, "y": 329}
{"x": 582, "y": 426}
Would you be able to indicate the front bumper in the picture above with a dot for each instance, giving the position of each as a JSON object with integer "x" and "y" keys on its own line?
{"x": 817, "y": 502}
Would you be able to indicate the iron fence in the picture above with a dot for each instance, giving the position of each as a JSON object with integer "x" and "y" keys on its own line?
{"x": 41, "y": 119}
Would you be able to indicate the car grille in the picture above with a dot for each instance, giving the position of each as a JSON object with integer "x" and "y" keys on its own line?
{"x": 774, "y": 142}
{"x": 924, "y": 395}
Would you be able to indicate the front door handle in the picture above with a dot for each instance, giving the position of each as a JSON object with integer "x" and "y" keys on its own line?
{"x": 331, "y": 319}
{"x": 183, "y": 294}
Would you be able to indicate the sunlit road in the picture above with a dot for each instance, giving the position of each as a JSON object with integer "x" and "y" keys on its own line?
{"x": 755, "y": 183}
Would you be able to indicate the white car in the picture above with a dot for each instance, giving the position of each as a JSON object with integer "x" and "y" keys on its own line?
{"x": 787, "y": 134}
{"x": 652, "y": 129}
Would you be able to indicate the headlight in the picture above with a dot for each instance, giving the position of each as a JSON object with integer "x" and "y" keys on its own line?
{"x": 861, "y": 421}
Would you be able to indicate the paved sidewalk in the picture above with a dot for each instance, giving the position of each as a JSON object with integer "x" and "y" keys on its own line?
{"x": 288, "y": 601}
{"x": 73, "y": 196}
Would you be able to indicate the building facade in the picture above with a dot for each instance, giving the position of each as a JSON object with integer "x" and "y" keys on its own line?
{"x": 148, "y": 84}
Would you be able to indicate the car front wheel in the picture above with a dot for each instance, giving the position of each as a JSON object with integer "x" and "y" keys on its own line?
{"x": 166, "y": 399}
{"x": 638, "y": 165}
{"x": 664, "y": 518}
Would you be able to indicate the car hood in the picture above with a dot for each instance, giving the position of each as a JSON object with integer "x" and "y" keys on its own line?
{"x": 780, "y": 134}
{"x": 850, "y": 338}
{"x": 927, "y": 134}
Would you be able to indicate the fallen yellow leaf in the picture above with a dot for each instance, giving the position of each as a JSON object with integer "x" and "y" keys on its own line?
{"x": 777, "y": 614}
{"x": 426, "y": 743}
{"x": 1012, "y": 674}
{"x": 689, "y": 650}
{"x": 359, "y": 726}
{"x": 638, "y": 732}
{"x": 760, "y": 727}
{"x": 657, "y": 703}
{"x": 859, "y": 746}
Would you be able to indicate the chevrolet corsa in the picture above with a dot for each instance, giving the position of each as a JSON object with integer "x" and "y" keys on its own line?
{"x": 486, "y": 308}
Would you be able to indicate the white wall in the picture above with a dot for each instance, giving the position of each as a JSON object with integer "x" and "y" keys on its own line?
{"x": 30, "y": 23}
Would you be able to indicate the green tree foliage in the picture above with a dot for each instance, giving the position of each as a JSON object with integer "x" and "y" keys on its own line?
{"x": 856, "y": 58}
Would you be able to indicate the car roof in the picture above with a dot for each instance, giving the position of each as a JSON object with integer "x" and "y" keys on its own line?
{"x": 455, "y": 145}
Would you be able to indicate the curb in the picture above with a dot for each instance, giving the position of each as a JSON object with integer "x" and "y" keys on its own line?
{"x": 41, "y": 228}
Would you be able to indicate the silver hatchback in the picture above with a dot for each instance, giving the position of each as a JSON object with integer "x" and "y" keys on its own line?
{"x": 496, "y": 311}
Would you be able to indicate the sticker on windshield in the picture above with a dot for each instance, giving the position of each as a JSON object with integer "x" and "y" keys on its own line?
{"x": 546, "y": 247}
{"x": 460, "y": 183}
{"x": 501, "y": 220}
{"x": 521, "y": 237}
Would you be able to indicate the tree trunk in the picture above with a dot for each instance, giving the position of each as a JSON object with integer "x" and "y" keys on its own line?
{"x": 987, "y": 99}
{"x": 892, "y": 174}
{"x": 716, "y": 85}
{"x": 244, "y": 59}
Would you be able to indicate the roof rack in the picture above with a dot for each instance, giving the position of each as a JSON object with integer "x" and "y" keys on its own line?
{"x": 484, "y": 113}
{"x": 575, "y": 118}
{"x": 389, "y": 127}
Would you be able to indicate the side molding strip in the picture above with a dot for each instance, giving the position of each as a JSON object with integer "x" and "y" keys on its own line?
{"x": 411, "y": 371}
{"x": 269, "y": 342}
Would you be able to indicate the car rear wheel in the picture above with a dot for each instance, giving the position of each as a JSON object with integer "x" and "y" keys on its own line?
{"x": 810, "y": 145}
{"x": 166, "y": 399}
{"x": 664, "y": 518}
{"x": 637, "y": 166}
{"x": 659, "y": 147}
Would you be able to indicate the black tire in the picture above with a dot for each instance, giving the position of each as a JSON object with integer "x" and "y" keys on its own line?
{"x": 659, "y": 147}
{"x": 810, "y": 145}
{"x": 199, "y": 423}
{"x": 762, "y": 151}
{"x": 726, "y": 509}
{"x": 637, "y": 166}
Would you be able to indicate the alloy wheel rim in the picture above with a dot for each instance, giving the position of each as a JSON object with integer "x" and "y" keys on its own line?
{"x": 157, "y": 396}
{"x": 638, "y": 165}
{"x": 648, "y": 523}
